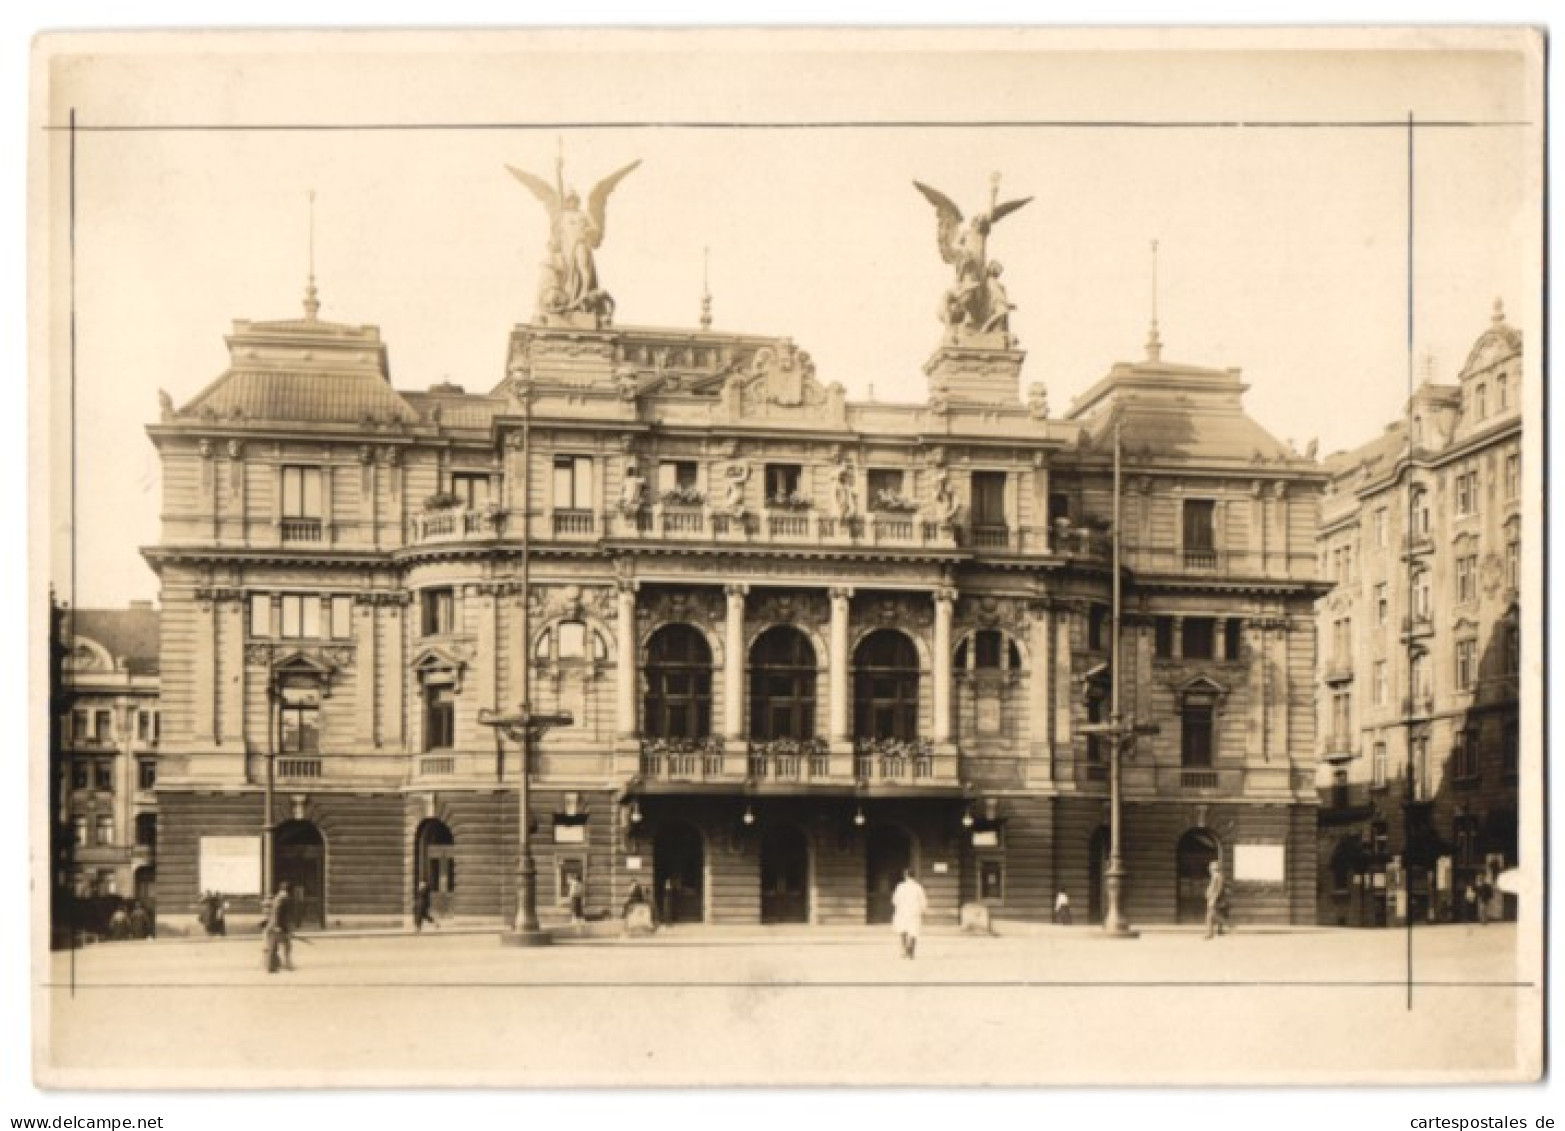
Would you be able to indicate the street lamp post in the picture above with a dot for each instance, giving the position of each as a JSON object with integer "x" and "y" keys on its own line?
{"x": 521, "y": 728}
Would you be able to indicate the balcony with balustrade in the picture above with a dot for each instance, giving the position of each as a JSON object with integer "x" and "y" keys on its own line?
{"x": 796, "y": 765}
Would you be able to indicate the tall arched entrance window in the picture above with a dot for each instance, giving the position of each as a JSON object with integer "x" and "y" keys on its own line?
{"x": 435, "y": 864}
{"x": 885, "y": 686}
{"x": 299, "y": 851}
{"x": 782, "y": 685}
{"x": 1193, "y": 859}
{"x": 678, "y": 701}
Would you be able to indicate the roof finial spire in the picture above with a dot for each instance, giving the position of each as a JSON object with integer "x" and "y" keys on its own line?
{"x": 706, "y": 290}
{"x": 1154, "y": 342}
{"x": 312, "y": 304}
{"x": 1499, "y": 310}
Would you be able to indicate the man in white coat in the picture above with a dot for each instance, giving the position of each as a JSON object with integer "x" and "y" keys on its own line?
{"x": 908, "y": 904}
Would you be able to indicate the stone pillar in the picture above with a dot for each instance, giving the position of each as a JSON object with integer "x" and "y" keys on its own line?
{"x": 944, "y": 599}
{"x": 396, "y": 672}
{"x": 625, "y": 713}
{"x": 1220, "y": 638}
{"x": 1063, "y": 691}
{"x": 367, "y": 664}
{"x": 1038, "y": 678}
{"x": 733, "y": 663}
{"x": 837, "y": 665}
{"x": 1176, "y": 638}
{"x": 231, "y": 669}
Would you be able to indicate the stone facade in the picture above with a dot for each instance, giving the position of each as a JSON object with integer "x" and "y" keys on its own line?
{"x": 802, "y": 643}
{"x": 1420, "y": 650}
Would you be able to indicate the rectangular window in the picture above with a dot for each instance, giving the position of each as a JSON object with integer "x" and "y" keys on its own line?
{"x": 885, "y": 486}
{"x": 1513, "y": 564}
{"x": 1380, "y": 528}
{"x": 301, "y": 616}
{"x": 471, "y": 489}
{"x": 782, "y": 482}
{"x": 1513, "y": 476}
{"x": 341, "y": 618}
{"x": 1382, "y": 604}
{"x": 103, "y": 775}
{"x": 1466, "y": 664}
{"x": 1196, "y": 734}
{"x": 81, "y": 725}
{"x": 1097, "y": 628}
{"x": 1233, "y": 633}
{"x": 1377, "y": 766}
{"x": 1198, "y": 638}
{"x": 1420, "y": 769}
{"x": 81, "y": 828}
{"x": 1466, "y": 579}
{"x": 302, "y": 492}
{"x": 146, "y": 773}
{"x": 573, "y": 483}
{"x": 1378, "y": 683}
{"x": 1059, "y": 506}
{"x": 439, "y": 611}
{"x": 988, "y": 502}
{"x": 105, "y": 830}
{"x": 1200, "y": 526}
{"x": 260, "y": 614}
{"x": 1502, "y": 393}
{"x": 1163, "y": 637}
{"x": 300, "y": 724}
{"x": 1464, "y": 753}
{"x": 439, "y": 717}
{"x": 81, "y": 772}
{"x": 103, "y": 727}
{"x": 677, "y": 475}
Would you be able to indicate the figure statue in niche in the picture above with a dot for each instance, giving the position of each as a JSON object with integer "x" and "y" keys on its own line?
{"x": 633, "y": 488}
{"x": 976, "y": 303}
{"x": 569, "y": 284}
{"x": 733, "y": 493}
{"x": 845, "y": 495}
{"x": 945, "y": 503}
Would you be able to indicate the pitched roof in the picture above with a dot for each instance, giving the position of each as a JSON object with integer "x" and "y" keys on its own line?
{"x": 279, "y": 394}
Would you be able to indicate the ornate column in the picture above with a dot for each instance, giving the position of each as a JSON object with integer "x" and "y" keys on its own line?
{"x": 1063, "y": 690}
{"x": 626, "y": 668}
{"x": 1038, "y": 687}
{"x": 944, "y": 599}
{"x": 837, "y": 731}
{"x": 733, "y": 663}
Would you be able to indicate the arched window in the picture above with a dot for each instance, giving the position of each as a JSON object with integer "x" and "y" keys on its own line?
{"x": 988, "y": 649}
{"x": 571, "y": 641}
{"x": 1420, "y": 508}
{"x": 782, "y": 685}
{"x": 885, "y": 686}
{"x": 678, "y": 701}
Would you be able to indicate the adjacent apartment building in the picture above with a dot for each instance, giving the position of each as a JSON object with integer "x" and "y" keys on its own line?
{"x": 1421, "y": 649}
{"x": 802, "y": 642}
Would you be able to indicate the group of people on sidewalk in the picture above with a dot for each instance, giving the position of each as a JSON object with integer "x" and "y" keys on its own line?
{"x": 135, "y": 923}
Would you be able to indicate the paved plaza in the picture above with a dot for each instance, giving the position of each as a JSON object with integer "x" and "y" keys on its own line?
{"x": 702, "y": 1006}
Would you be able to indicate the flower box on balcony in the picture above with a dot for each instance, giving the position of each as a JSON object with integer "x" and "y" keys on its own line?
{"x": 442, "y": 501}
{"x": 894, "y": 503}
{"x": 793, "y": 502}
{"x": 682, "y": 497}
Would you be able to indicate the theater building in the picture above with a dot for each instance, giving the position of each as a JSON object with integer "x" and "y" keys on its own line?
{"x": 803, "y": 642}
{"x": 1421, "y": 650}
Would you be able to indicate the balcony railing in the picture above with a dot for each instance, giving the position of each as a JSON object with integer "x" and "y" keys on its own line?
{"x": 1201, "y": 559}
{"x": 1339, "y": 669}
{"x": 437, "y": 765}
{"x": 298, "y": 769}
{"x": 301, "y": 529}
{"x": 1418, "y": 624}
{"x": 454, "y": 525}
{"x": 576, "y": 523}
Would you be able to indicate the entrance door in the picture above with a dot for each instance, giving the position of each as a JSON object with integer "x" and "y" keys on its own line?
{"x": 679, "y": 874}
{"x": 436, "y": 865}
{"x": 301, "y": 864}
{"x": 1197, "y": 849}
{"x": 887, "y": 853}
{"x": 785, "y": 876}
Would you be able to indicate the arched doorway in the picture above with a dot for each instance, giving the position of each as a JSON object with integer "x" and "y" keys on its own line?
{"x": 785, "y": 876}
{"x": 1195, "y": 854}
{"x": 888, "y": 850}
{"x": 300, "y": 853}
{"x": 679, "y": 874}
{"x": 435, "y": 864}
{"x": 1097, "y": 876}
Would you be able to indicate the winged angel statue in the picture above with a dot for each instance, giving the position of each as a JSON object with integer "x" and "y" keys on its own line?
{"x": 570, "y": 275}
{"x": 976, "y": 304}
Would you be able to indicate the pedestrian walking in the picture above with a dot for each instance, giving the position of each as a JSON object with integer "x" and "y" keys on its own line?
{"x": 670, "y": 889}
{"x": 119, "y": 925}
{"x": 277, "y": 932}
{"x": 1470, "y": 904}
{"x": 1216, "y": 901}
{"x": 575, "y": 898}
{"x": 1485, "y": 892}
{"x": 908, "y": 904}
{"x": 1062, "y": 909}
{"x": 421, "y": 913}
{"x": 140, "y": 922}
{"x": 219, "y": 915}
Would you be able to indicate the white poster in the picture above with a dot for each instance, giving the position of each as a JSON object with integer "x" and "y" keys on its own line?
{"x": 231, "y": 864}
{"x": 1259, "y": 863}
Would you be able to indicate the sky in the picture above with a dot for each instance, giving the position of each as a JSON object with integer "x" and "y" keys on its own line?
{"x": 1282, "y": 251}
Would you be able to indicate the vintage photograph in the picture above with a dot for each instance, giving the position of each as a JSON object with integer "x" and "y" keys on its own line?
{"x": 695, "y": 558}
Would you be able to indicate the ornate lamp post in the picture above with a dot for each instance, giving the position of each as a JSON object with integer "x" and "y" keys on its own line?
{"x": 521, "y": 728}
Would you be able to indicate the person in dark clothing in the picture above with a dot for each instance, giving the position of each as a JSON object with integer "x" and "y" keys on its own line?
{"x": 421, "y": 913}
